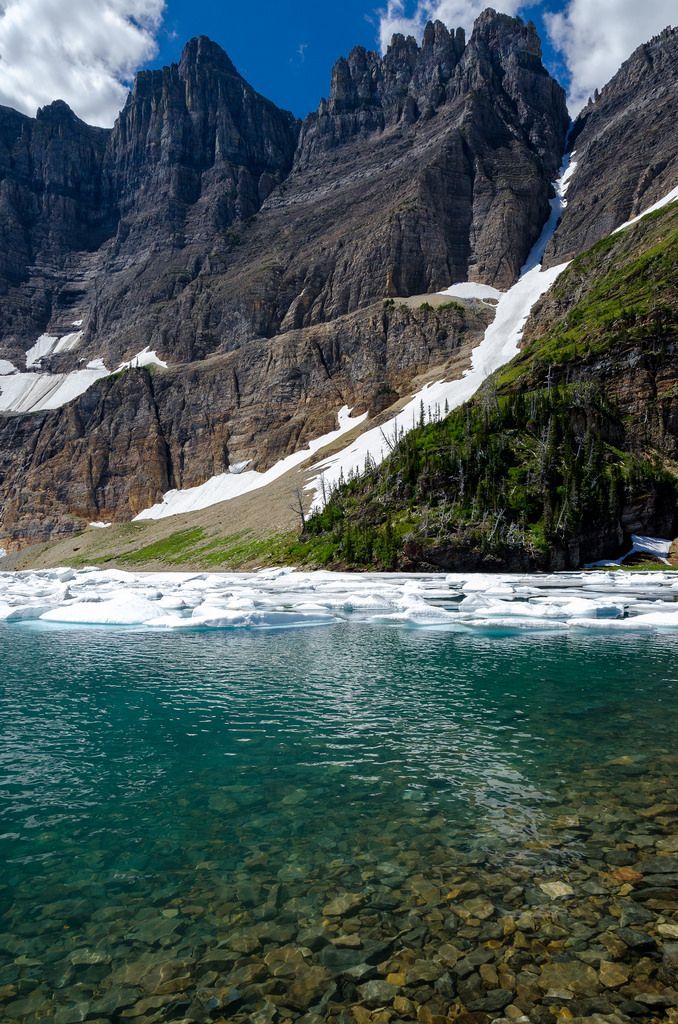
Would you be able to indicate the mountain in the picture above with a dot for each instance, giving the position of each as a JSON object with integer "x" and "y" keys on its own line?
{"x": 281, "y": 269}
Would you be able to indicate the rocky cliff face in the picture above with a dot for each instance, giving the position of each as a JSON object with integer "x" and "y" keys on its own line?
{"x": 52, "y": 204}
{"x": 225, "y": 220}
{"x": 626, "y": 148}
{"x": 130, "y": 438}
{"x": 194, "y": 149}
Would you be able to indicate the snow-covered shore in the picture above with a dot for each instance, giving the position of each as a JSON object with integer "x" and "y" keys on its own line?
{"x": 286, "y": 598}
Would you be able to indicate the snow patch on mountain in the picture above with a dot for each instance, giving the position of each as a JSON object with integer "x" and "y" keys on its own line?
{"x": 471, "y": 290}
{"x": 39, "y": 392}
{"x": 670, "y": 197}
{"x": 146, "y": 357}
{"x": 50, "y": 344}
{"x": 239, "y": 480}
{"x": 658, "y": 547}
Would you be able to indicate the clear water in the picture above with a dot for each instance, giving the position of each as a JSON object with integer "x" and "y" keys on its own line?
{"x": 157, "y": 791}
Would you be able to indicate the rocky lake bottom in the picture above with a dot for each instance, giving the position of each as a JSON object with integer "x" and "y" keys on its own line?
{"x": 361, "y": 823}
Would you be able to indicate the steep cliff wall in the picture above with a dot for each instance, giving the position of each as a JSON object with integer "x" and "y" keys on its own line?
{"x": 52, "y": 204}
{"x": 626, "y": 148}
{"x": 224, "y": 220}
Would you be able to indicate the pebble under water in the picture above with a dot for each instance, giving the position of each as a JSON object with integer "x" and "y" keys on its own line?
{"x": 350, "y": 824}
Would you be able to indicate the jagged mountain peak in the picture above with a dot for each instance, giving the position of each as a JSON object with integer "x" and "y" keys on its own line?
{"x": 506, "y": 39}
{"x": 203, "y": 52}
{"x": 411, "y": 81}
{"x": 58, "y": 111}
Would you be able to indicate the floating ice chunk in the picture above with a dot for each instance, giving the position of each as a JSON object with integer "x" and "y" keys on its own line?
{"x": 225, "y": 618}
{"x": 649, "y": 620}
{"x": 419, "y": 613}
{"x": 123, "y": 610}
{"x": 172, "y": 602}
{"x": 23, "y": 612}
{"x": 664, "y": 619}
{"x": 484, "y": 583}
{"x": 510, "y": 622}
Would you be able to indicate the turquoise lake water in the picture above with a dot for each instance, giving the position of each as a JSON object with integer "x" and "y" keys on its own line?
{"x": 157, "y": 791}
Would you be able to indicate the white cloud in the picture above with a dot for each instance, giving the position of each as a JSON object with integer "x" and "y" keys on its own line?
{"x": 593, "y": 36}
{"x": 453, "y": 13}
{"x": 596, "y": 36}
{"x": 81, "y": 51}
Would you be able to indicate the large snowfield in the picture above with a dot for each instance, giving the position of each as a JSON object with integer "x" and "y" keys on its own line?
{"x": 500, "y": 344}
{"x": 286, "y": 598}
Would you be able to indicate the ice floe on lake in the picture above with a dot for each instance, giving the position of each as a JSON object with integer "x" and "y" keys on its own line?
{"x": 285, "y": 598}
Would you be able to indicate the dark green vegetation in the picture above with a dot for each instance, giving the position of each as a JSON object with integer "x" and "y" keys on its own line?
{"x": 568, "y": 449}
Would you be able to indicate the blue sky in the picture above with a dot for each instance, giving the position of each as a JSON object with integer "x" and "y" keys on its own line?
{"x": 286, "y": 51}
